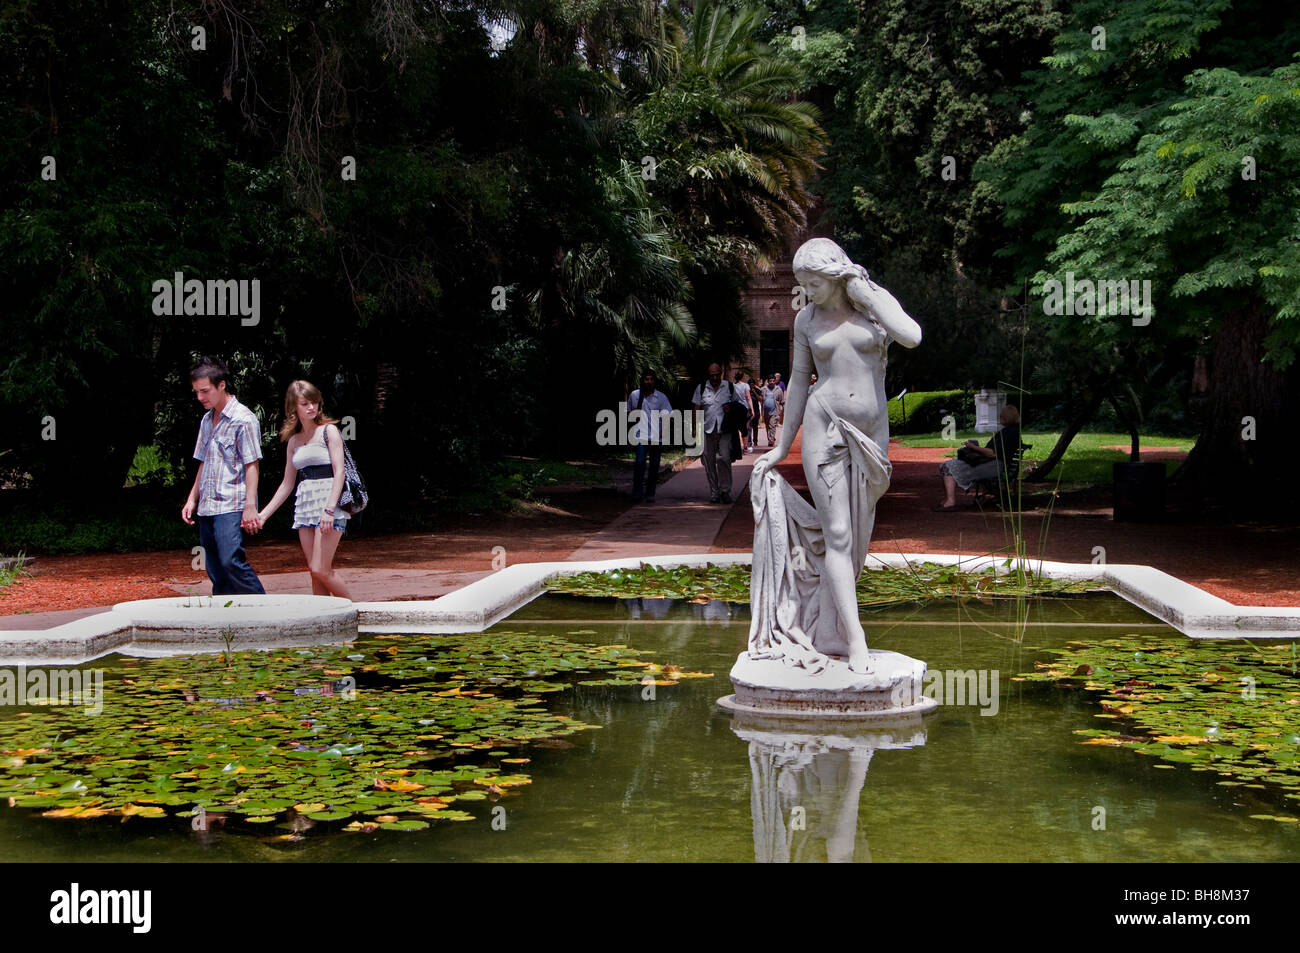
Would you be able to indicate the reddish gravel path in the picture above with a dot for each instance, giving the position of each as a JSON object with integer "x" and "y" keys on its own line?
{"x": 1245, "y": 564}
{"x": 542, "y": 534}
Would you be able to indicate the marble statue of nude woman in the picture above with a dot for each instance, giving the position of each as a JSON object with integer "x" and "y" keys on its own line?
{"x": 807, "y": 559}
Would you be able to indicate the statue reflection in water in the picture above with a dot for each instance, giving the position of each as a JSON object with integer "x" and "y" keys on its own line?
{"x": 805, "y": 787}
{"x": 715, "y": 610}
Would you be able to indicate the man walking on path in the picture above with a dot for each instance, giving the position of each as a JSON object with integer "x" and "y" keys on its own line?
{"x": 773, "y": 409}
{"x": 712, "y": 397}
{"x": 225, "y": 488}
{"x": 652, "y": 403}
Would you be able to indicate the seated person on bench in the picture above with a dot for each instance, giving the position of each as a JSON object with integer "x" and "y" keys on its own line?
{"x": 1003, "y": 448}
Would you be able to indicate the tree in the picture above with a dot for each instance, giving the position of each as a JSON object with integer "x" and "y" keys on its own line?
{"x": 733, "y": 150}
{"x": 443, "y": 204}
{"x": 1207, "y": 209}
{"x": 100, "y": 206}
{"x": 913, "y": 95}
{"x": 1114, "y": 78}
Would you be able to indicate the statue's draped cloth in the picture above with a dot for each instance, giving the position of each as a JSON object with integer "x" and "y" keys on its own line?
{"x": 793, "y": 617}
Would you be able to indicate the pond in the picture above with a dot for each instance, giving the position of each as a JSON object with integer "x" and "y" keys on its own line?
{"x": 997, "y": 773}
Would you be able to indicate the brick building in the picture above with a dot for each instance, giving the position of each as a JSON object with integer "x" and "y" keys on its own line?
{"x": 769, "y": 301}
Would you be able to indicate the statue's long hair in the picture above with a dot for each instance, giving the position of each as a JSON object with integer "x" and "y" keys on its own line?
{"x": 821, "y": 256}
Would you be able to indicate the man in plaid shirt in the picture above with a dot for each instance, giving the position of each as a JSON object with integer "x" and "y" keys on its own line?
{"x": 225, "y": 488}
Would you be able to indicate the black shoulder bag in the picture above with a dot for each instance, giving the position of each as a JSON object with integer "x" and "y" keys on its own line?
{"x": 354, "y": 497}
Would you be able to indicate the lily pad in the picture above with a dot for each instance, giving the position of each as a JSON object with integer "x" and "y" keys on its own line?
{"x": 1232, "y": 708}
{"x": 267, "y": 736}
{"x": 877, "y": 586}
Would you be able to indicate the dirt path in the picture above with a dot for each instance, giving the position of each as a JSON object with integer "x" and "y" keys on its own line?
{"x": 1245, "y": 564}
{"x": 539, "y": 534}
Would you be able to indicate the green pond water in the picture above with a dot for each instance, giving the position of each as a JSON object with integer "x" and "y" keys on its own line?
{"x": 670, "y": 778}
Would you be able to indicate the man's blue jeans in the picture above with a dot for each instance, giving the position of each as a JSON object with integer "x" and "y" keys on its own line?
{"x": 641, "y": 480}
{"x": 223, "y": 555}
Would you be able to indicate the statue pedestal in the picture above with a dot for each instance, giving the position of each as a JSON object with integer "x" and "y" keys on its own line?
{"x": 769, "y": 687}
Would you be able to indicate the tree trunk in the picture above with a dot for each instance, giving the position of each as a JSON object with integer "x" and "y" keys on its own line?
{"x": 1130, "y": 424}
{"x": 1087, "y": 410}
{"x": 1239, "y": 457}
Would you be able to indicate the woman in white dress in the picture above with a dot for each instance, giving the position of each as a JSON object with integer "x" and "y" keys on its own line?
{"x": 315, "y": 467}
{"x": 806, "y": 562}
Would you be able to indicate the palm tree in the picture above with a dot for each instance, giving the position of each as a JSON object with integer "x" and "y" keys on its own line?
{"x": 736, "y": 149}
{"x": 623, "y": 293}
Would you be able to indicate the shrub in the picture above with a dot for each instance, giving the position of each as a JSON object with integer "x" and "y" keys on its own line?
{"x": 131, "y": 528}
{"x": 925, "y": 411}
{"x": 149, "y": 467}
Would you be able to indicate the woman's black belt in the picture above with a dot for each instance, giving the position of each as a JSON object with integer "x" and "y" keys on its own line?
{"x": 319, "y": 471}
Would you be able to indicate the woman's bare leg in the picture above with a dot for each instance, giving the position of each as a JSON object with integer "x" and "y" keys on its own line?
{"x": 320, "y": 549}
{"x": 307, "y": 539}
{"x": 327, "y": 545}
{"x": 950, "y": 491}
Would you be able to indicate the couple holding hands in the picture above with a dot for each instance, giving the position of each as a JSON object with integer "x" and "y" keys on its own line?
{"x": 223, "y": 499}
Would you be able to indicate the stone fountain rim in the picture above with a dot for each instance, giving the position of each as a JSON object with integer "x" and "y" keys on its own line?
{"x": 481, "y": 604}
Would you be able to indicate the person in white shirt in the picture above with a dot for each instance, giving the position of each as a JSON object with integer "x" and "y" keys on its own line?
{"x": 652, "y": 403}
{"x": 314, "y": 476}
{"x": 223, "y": 499}
{"x": 712, "y": 397}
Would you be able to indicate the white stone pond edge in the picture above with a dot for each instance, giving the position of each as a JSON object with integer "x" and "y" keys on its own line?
{"x": 154, "y": 627}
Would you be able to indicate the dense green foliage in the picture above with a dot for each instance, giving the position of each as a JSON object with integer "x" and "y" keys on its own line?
{"x": 136, "y": 525}
{"x": 549, "y": 195}
{"x": 1131, "y": 168}
{"x": 978, "y": 149}
{"x": 501, "y": 263}
{"x": 913, "y": 94}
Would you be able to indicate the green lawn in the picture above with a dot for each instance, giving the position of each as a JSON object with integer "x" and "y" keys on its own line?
{"x": 1085, "y": 462}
